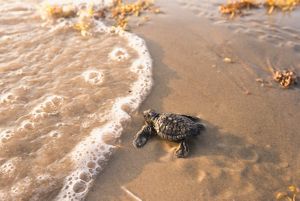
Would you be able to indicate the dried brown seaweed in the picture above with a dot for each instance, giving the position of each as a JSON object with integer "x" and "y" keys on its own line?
{"x": 120, "y": 12}
{"x": 290, "y": 195}
{"x": 283, "y": 5}
{"x": 56, "y": 11}
{"x": 236, "y": 8}
{"x": 285, "y": 78}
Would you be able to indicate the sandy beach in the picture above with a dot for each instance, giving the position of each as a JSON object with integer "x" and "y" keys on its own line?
{"x": 250, "y": 149}
{"x": 76, "y": 76}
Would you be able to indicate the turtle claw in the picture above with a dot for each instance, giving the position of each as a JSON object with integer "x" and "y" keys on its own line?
{"x": 183, "y": 150}
{"x": 181, "y": 153}
{"x": 139, "y": 141}
{"x": 142, "y": 136}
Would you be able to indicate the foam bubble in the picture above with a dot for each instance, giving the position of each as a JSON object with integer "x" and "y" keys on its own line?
{"x": 7, "y": 98}
{"x": 119, "y": 54}
{"x": 5, "y": 135}
{"x": 50, "y": 106}
{"x": 21, "y": 186}
{"x": 9, "y": 167}
{"x": 43, "y": 177}
{"x": 55, "y": 134}
{"x": 5, "y": 38}
{"x": 3, "y": 195}
{"x": 94, "y": 77}
{"x": 27, "y": 125}
{"x": 85, "y": 176}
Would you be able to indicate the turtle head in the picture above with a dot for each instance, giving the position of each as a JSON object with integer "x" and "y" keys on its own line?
{"x": 150, "y": 115}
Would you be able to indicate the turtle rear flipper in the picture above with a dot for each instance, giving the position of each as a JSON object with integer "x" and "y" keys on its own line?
{"x": 201, "y": 126}
{"x": 182, "y": 150}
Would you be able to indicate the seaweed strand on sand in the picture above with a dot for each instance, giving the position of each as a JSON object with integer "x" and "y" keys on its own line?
{"x": 234, "y": 8}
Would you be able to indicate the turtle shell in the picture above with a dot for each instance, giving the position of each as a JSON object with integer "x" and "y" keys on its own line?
{"x": 176, "y": 127}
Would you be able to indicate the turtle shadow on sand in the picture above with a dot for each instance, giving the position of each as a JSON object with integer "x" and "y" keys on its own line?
{"x": 213, "y": 142}
{"x": 220, "y": 158}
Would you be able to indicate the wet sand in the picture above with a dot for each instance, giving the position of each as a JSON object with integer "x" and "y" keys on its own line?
{"x": 250, "y": 148}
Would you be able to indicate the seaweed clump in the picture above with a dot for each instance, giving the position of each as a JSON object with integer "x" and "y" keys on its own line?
{"x": 83, "y": 17}
{"x": 234, "y": 8}
{"x": 119, "y": 13}
{"x": 56, "y": 11}
{"x": 290, "y": 195}
{"x": 85, "y": 21}
{"x": 286, "y": 78}
{"x": 283, "y": 5}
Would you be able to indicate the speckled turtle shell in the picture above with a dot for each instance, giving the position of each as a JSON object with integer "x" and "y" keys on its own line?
{"x": 173, "y": 127}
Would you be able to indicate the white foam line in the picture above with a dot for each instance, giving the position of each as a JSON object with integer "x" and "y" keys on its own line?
{"x": 90, "y": 153}
{"x": 101, "y": 3}
{"x": 131, "y": 194}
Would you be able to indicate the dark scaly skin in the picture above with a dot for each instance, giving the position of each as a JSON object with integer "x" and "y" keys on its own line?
{"x": 143, "y": 136}
{"x": 172, "y": 127}
{"x": 182, "y": 150}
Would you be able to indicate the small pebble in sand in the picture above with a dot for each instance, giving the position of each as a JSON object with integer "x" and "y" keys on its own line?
{"x": 284, "y": 165}
{"x": 227, "y": 60}
{"x": 268, "y": 146}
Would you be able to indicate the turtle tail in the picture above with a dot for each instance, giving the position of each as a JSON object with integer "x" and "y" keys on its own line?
{"x": 200, "y": 127}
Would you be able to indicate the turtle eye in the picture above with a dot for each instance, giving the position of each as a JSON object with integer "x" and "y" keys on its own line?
{"x": 146, "y": 115}
{"x": 151, "y": 113}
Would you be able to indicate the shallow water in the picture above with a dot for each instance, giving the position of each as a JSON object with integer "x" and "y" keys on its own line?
{"x": 279, "y": 28}
{"x": 62, "y": 96}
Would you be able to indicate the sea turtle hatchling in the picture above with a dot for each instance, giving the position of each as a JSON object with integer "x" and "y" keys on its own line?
{"x": 172, "y": 127}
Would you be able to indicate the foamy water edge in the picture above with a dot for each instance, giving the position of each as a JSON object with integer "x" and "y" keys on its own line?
{"x": 89, "y": 155}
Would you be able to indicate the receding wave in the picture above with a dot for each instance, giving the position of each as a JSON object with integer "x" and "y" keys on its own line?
{"x": 63, "y": 97}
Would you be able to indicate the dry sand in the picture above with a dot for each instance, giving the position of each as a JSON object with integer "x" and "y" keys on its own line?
{"x": 251, "y": 147}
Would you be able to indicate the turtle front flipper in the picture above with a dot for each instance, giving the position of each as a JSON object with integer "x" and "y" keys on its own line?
{"x": 182, "y": 150}
{"x": 143, "y": 136}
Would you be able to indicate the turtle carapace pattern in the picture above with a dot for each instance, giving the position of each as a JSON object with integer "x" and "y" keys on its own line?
{"x": 172, "y": 127}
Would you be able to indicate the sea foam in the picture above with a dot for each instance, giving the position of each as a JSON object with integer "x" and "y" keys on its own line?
{"x": 60, "y": 95}
{"x": 91, "y": 154}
